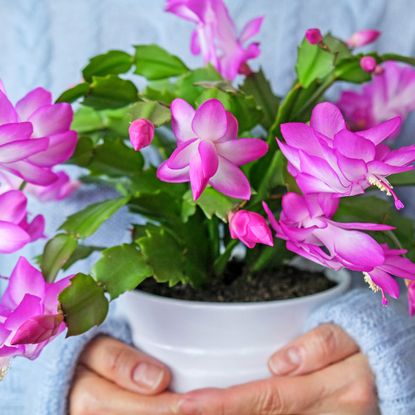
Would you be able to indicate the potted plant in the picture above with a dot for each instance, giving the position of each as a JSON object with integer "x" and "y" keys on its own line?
{"x": 217, "y": 262}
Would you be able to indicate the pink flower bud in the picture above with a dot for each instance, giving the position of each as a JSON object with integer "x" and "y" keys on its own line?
{"x": 250, "y": 228}
{"x": 363, "y": 38}
{"x": 368, "y": 64}
{"x": 141, "y": 133}
{"x": 314, "y": 36}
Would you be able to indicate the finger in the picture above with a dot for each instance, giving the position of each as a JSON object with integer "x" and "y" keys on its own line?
{"x": 92, "y": 394}
{"x": 272, "y": 396}
{"x": 349, "y": 388}
{"x": 313, "y": 351}
{"x": 126, "y": 366}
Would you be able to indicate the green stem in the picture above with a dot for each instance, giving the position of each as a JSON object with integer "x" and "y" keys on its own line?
{"x": 220, "y": 264}
{"x": 317, "y": 94}
{"x": 22, "y": 186}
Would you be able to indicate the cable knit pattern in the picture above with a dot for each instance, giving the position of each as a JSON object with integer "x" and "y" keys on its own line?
{"x": 387, "y": 336}
{"x": 47, "y": 42}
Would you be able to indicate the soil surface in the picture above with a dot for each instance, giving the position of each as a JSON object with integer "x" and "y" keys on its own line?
{"x": 278, "y": 284}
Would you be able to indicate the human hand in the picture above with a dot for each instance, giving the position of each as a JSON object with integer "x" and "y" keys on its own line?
{"x": 113, "y": 378}
{"x": 322, "y": 372}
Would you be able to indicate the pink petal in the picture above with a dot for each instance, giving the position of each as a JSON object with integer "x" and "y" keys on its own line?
{"x": 30, "y": 306}
{"x": 251, "y": 29}
{"x": 230, "y": 181}
{"x": 383, "y": 131}
{"x": 25, "y": 279}
{"x": 302, "y": 137}
{"x": 15, "y": 132}
{"x": 295, "y": 208}
{"x": 182, "y": 115}
{"x": 166, "y": 174}
{"x": 32, "y": 173}
{"x": 203, "y": 166}
{"x": 194, "y": 43}
{"x": 181, "y": 156}
{"x": 401, "y": 156}
{"x": 327, "y": 119}
{"x": 310, "y": 184}
{"x": 385, "y": 282}
{"x": 7, "y": 111}
{"x": 60, "y": 149}
{"x": 271, "y": 217}
{"x": 31, "y": 102}
{"x": 210, "y": 120}
{"x": 231, "y": 128}
{"x": 353, "y": 170}
{"x": 243, "y": 150}
{"x": 320, "y": 169}
{"x": 359, "y": 250}
{"x": 13, "y": 206}
{"x": 12, "y": 237}
{"x": 364, "y": 226}
{"x": 19, "y": 150}
{"x": 37, "y": 329}
{"x": 52, "y": 119}
{"x": 353, "y": 146}
{"x": 52, "y": 293}
{"x": 35, "y": 228}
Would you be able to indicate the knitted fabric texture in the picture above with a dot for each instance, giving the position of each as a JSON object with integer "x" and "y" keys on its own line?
{"x": 386, "y": 335}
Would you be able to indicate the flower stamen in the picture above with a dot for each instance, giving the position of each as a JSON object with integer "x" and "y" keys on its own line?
{"x": 369, "y": 281}
{"x": 384, "y": 186}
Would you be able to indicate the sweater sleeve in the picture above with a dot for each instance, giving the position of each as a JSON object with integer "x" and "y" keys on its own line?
{"x": 386, "y": 336}
{"x": 41, "y": 387}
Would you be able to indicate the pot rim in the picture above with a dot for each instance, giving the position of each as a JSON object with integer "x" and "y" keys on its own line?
{"x": 342, "y": 277}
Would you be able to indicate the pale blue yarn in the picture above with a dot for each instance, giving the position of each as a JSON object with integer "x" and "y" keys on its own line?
{"x": 46, "y": 42}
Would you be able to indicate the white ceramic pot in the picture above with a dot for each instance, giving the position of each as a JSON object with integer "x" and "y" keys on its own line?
{"x": 216, "y": 344}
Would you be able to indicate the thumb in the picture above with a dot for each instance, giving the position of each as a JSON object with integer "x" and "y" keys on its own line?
{"x": 125, "y": 366}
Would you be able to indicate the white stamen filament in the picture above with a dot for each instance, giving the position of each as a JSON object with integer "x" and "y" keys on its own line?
{"x": 374, "y": 181}
{"x": 4, "y": 367}
{"x": 369, "y": 281}
{"x": 383, "y": 185}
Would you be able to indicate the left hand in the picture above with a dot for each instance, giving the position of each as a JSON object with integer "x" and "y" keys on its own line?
{"x": 322, "y": 372}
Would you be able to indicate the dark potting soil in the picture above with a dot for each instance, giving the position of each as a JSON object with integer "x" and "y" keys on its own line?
{"x": 277, "y": 284}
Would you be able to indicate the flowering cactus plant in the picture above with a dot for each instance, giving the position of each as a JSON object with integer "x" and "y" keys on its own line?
{"x": 228, "y": 164}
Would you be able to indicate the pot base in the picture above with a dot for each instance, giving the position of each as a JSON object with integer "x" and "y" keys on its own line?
{"x": 218, "y": 345}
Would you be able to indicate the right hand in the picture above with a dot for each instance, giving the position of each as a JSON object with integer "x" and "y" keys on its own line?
{"x": 113, "y": 378}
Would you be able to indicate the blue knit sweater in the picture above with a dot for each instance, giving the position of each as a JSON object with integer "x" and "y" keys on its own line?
{"x": 46, "y": 42}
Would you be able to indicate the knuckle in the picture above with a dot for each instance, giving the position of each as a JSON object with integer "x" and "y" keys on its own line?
{"x": 116, "y": 360}
{"x": 326, "y": 338}
{"x": 269, "y": 401}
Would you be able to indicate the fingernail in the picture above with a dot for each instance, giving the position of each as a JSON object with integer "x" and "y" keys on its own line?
{"x": 189, "y": 407}
{"x": 285, "y": 361}
{"x": 148, "y": 376}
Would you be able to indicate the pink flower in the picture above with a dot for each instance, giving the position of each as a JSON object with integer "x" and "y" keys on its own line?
{"x": 325, "y": 157}
{"x": 60, "y": 189}
{"x": 381, "y": 277}
{"x": 35, "y": 136}
{"x": 305, "y": 223}
{"x": 389, "y": 94}
{"x": 250, "y": 228}
{"x": 209, "y": 150}
{"x": 15, "y": 230}
{"x": 363, "y": 38}
{"x": 215, "y": 36}
{"x": 314, "y": 36}
{"x": 29, "y": 313}
{"x": 368, "y": 64}
{"x": 141, "y": 133}
{"x": 411, "y": 298}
